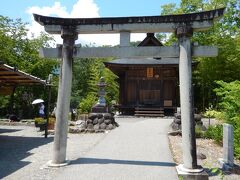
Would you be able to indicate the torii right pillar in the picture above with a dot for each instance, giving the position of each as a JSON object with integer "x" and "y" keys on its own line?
{"x": 184, "y": 33}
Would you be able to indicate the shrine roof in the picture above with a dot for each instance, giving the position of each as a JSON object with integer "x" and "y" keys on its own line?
{"x": 12, "y": 76}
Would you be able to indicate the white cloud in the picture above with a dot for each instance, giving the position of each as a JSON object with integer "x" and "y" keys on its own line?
{"x": 85, "y": 9}
{"x": 82, "y": 9}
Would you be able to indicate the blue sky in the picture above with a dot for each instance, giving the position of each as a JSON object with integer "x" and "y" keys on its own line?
{"x": 81, "y": 8}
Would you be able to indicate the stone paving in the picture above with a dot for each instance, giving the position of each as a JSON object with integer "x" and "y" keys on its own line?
{"x": 138, "y": 149}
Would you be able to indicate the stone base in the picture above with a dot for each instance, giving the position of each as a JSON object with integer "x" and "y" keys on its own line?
{"x": 191, "y": 174}
{"x": 225, "y": 166}
{"x": 96, "y": 123}
{"x": 99, "y": 109}
{"x": 54, "y": 165}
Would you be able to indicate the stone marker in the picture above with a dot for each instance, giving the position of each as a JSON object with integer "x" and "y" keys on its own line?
{"x": 228, "y": 144}
{"x": 228, "y": 152}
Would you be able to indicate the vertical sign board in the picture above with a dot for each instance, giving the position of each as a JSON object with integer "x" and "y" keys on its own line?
{"x": 149, "y": 72}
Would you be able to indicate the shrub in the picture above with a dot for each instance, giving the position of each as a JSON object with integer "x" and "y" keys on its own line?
{"x": 229, "y": 94}
{"x": 214, "y": 132}
{"x": 211, "y": 113}
{"x": 51, "y": 120}
{"x": 198, "y": 131}
{"x": 87, "y": 103}
{"x": 40, "y": 121}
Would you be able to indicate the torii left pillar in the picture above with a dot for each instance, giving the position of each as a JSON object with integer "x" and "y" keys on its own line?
{"x": 69, "y": 36}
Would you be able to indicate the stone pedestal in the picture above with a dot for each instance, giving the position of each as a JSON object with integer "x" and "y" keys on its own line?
{"x": 99, "y": 109}
{"x": 96, "y": 123}
{"x": 191, "y": 174}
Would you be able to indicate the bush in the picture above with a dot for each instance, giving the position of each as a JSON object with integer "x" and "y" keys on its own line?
{"x": 87, "y": 103}
{"x": 229, "y": 94}
{"x": 40, "y": 121}
{"x": 198, "y": 131}
{"x": 214, "y": 132}
{"x": 211, "y": 113}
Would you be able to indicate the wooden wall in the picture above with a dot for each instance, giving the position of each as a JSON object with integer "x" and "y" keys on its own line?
{"x": 149, "y": 86}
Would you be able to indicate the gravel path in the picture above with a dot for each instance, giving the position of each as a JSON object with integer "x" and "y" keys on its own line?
{"x": 24, "y": 152}
{"x": 138, "y": 149}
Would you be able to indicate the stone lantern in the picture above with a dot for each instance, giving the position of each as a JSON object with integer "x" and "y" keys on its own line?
{"x": 101, "y": 106}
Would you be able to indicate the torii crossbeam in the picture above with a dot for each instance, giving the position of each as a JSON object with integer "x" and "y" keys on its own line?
{"x": 183, "y": 25}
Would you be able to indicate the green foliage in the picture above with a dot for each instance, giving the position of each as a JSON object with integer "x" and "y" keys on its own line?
{"x": 211, "y": 113}
{"x": 40, "y": 120}
{"x": 17, "y": 50}
{"x": 198, "y": 131}
{"x": 217, "y": 172}
{"x": 86, "y": 75}
{"x": 229, "y": 94}
{"x": 214, "y": 132}
{"x": 86, "y": 103}
{"x": 225, "y": 34}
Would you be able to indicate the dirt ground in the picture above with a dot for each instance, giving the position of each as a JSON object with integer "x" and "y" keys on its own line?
{"x": 212, "y": 151}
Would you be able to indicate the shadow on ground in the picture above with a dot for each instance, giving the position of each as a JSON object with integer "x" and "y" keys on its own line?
{"x": 13, "y": 149}
{"x": 8, "y": 130}
{"x": 116, "y": 161}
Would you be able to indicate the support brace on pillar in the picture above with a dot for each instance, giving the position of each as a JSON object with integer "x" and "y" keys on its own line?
{"x": 63, "y": 101}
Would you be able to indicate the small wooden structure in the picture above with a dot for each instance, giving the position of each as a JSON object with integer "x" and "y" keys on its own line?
{"x": 146, "y": 83}
{"x": 148, "y": 86}
{"x": 11, "y": 78}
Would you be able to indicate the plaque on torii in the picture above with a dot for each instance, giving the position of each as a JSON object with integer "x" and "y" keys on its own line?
{"x": 183, "y": 25}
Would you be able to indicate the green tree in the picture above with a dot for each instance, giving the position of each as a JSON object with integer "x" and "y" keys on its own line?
{"x": 17, "y": 50}
{"x": 229, "y": 94}
{"x": 87, "y": 73}
{"x": 224, "y": 34}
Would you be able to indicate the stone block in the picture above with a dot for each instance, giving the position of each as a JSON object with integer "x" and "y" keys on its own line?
{"x": 95, "y": 121}
{"x": 177, "y": 121}
{"x": 175, "y": 126}
{"x": 90, "y": 126}
{"x": 110, "y": 127}
{"x": 197, "y": 117}
{"x": 107, "y": 121}
{"x": 96, "y": 127}
{"x": 89, "y": 121}
{"x": 177, "y": 115}
{"x": 92, "y": 116}
{"x": 107, "y": 116}
{"x": 103, "y": 126}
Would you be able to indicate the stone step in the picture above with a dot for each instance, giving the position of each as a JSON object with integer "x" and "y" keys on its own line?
{"x": 150, "y": 109}
{"x": 153, "y": 112}
{"x": 150, "y": 115}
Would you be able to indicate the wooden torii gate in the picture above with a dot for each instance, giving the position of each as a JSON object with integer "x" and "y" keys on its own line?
{"x": 182, "y": 25}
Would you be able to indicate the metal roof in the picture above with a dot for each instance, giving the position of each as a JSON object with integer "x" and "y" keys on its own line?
{"x": 10, "y": 76}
